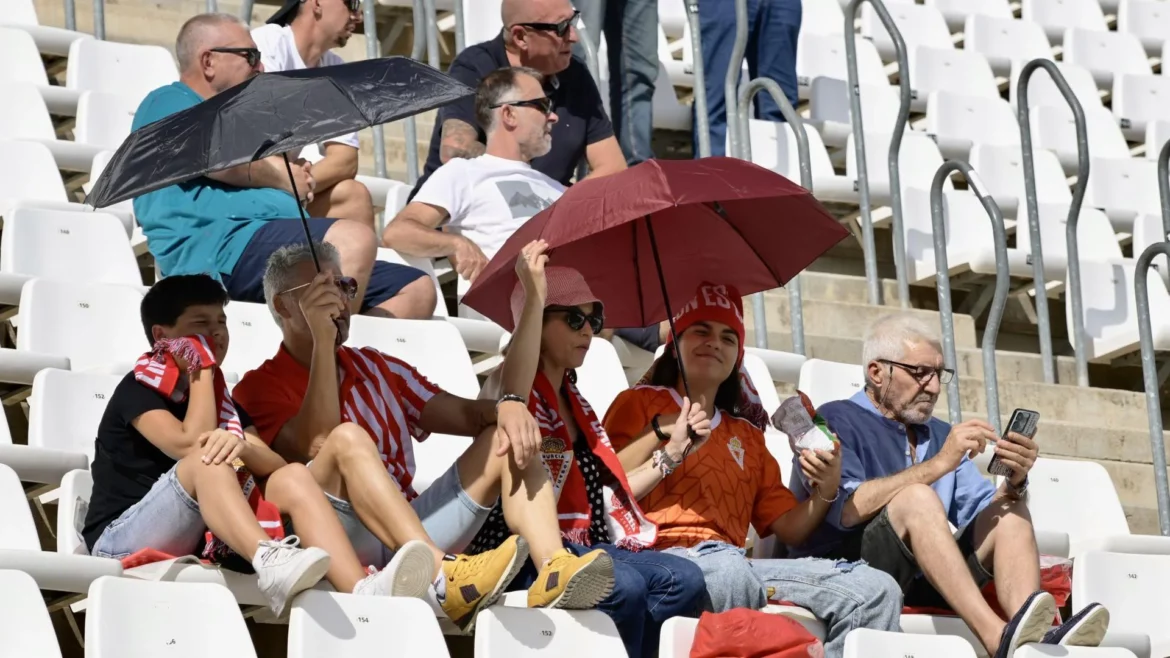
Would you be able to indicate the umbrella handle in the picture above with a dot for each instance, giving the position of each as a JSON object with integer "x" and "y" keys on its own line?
{"x": 301, "y": 207}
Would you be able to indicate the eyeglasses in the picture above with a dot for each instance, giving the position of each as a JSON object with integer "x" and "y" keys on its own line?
{"x": 544, "y": 104}
{"x": 250, "y": 54}
{"x": 353, "y": 5}
{"x": 346, "y": 284}
{"x": 923, "y": 373}
{"x": 576, "y": 318}
{"x": 561, "y": 28}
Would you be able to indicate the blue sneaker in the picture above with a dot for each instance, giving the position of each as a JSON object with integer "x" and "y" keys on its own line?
{"x": 1029, "y": 625}
{"x": 1085, "y": 629}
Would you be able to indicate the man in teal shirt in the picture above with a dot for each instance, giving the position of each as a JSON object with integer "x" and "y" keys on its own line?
{"x": 229, "y": 222}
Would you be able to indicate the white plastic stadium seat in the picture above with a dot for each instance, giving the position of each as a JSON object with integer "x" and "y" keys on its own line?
{"x": 1138, "y": 101}
{"x": 1124, "y": 188}
{"x": 350, "y": 626}
{"x": 505, "y": 632}
{"x": 1095, "y": 239}
{"x": 825, "y": 381}
{"x": 1004, "y": 41}
{"x": 868, "y": 643}
{"x": 958, "y": 122}
{"x": 1105, "y": 54}
{"x": 22, "y": 15}
{"x": 72, "y": 507}
{"x": 25, "y": 628}
{"x": 678, "y": 635}
{"x": 22, "y": 63}
{"x": 68, "y": 246}
{"x": 672, "y": 16}
{"x": 1056, "y": 16}
{"x": 1148, "y": 20}
{"x": 83, "y": 394}
{"x": 918, "y": 158}
{"x": 1053, "y": 129}
{"x": 1052, "y": 651}
{"x": 831, "y": 114}
{"x": 1001, "y": 168}
{"x": 920, "y": 26}
{"x": 1133, "y": 588}
{"x": 669, "y": 113}
{"x": 1043, "y": 91}
{"x": 1110, "y": 315}
{"x": 254, "y": 336}
{"x": 818, "y": 17}
{"x": 103, "y": 119}
{"x": 824, "y": 55}
{"x": 1147, "y": 230}
{"x": 131, "y": 618}
{"x": 128, "y": 70}
{"x": 29, "y": 178}
{"x": 601, "y": 378}
{"x": 774, "y": 147}
{"x": 481, "y": 20}
{"x": 946, "y": 69}
{"x": 955, "y": 12}
{"x": 23, "y": 115}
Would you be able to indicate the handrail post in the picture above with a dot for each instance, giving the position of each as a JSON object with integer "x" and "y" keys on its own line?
{"x": 246, "y": 7}
{"x": 867, "y": 238}
{"x": 99, "y": 19}
{"x": 211, "y": 6}
{"x": 1150, "y": 372}
{"x": 1043, "y": 321}
{"x": 460, "y": 30}
{"x": 590, "y": 49}
{"x": 70, "y": 15}
{"x": 432, "y": 33}
{"x": 370, "y": 28}
{"x": 795, "y": 298}
{"x": 702, "y": 119}
{"x": 410, "y": 128}
{"x": 943, "y": 279}
{"x": 1164, "y": 187}
{"x": 731, "y": 80}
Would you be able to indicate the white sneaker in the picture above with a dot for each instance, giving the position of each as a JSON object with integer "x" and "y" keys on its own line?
{"x": 410, "y": 573}
{"x": 285, "y": 570}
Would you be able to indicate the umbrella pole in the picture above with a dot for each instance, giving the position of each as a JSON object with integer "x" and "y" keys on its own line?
{"x": 301, "y": 207}
{"x": 669, "y": 313}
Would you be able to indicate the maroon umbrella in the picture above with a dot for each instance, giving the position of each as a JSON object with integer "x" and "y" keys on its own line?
{"x": 660, "y": 229}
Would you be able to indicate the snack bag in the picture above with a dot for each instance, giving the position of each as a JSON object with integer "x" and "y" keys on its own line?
{"x": 797, "y": 418}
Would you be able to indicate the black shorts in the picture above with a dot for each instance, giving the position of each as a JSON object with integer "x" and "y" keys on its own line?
{"x": 246, "y": 282}
{"x": 879, "y": 545}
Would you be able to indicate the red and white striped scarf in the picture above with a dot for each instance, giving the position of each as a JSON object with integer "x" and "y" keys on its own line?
{"x": 628, "y": 526}
{"x": 158, "y": 369}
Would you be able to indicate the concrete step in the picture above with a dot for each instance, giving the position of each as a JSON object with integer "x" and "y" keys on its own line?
{"x": 1014, "y": 366}
{"x": 826, "y": 286}
{"x": 844, "y": 319}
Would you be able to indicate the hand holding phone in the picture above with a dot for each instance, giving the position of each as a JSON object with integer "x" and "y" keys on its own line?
{"x": 1023, "y": 422}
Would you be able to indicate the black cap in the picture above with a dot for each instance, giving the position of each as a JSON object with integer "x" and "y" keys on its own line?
{"x": 286, "y": 13}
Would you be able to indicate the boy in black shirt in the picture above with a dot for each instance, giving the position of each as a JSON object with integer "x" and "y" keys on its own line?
{"x": 167, "y": 464}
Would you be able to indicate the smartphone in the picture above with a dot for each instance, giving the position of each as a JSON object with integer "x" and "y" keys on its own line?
{"x": 1023, "y": 422}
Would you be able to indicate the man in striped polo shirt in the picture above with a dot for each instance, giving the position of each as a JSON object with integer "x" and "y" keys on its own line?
{"x": 351, "y": 414}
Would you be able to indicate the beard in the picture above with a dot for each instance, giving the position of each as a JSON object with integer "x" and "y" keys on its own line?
{"x": 919, "y": 410}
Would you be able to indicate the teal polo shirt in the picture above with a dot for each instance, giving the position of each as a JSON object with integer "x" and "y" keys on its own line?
{"x": 201, "y": 226}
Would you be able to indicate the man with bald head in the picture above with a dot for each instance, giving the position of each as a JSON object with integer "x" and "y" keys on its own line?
{"x": 538, "y": 34}
{"x": 228, "y": 222}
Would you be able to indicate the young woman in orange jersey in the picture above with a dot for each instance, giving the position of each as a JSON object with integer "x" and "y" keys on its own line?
{"x": 703, "y": 491}
{"x": 556, "y": 317}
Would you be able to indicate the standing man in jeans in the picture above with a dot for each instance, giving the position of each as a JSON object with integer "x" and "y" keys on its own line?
{"x": 773, "y": 28}
{"x": 631, "y": 39}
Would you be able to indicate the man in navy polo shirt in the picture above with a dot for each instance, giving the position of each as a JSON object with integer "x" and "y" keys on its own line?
{"x": 538, "y": 34}
{"x": 906, "y": 474}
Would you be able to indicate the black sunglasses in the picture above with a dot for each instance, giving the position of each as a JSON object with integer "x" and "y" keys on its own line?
{"x": 923, "y": 373}
{"x": 561, "y": 28}
{"x": 353, "y": 5}
{"x": 544, "y": 104}
{"x": 250, "y": 54}
{"x": 576, "y": 318}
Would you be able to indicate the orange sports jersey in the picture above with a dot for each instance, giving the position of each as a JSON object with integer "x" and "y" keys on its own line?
{"x": 730, "y": 481}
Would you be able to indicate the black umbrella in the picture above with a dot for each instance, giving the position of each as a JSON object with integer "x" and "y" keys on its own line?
{"x": 270, "y": 114}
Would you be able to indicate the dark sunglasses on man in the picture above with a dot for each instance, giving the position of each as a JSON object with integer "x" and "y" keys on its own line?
{"x": 561, "y": 28}
{"x": 576, "y": 318}
{"x": 544, "y": 104}
{"x": 250, "y": 54}
{"x": 346, "y": 284}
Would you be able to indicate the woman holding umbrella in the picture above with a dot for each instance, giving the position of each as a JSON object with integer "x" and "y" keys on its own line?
{"x": 556, "y": 317}
{"x": 738, "y": 481}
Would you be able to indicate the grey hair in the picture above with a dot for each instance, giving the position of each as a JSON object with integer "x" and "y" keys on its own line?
{"x": 278, "y": 273}
{"x": 887, "y": 337}
{"x": 194, "y": 35}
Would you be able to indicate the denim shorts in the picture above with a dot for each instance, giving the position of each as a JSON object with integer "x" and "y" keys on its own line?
{"x": 167, "y": 519}
{"x": 448, "y": 514}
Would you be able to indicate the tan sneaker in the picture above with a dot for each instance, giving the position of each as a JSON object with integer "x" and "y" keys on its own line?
{"x": 477, "y": 581}
{"x": 571, "y": 582}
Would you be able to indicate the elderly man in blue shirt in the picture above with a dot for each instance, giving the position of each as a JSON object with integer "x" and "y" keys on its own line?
{"x": 906, "y": 477}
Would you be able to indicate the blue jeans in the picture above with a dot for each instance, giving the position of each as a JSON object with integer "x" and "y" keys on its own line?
{"x": 649, "y": 587}
{"x": 773, "y": 27}
{"x": 631, "y": 40}
{"x": 843, "y": 595}
{"x": 167, "y": 519}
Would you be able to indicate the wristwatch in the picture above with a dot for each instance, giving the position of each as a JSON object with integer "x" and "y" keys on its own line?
{"x": 511, "y": 397}
{"x": 662, "y": 436}
{"x": 1017, "y": 491}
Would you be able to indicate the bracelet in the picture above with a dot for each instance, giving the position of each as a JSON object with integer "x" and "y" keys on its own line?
{"x": 511, "y": 397}
{"x": 664, "y": 463}
{"x": 834, "y": 499}
{"x": 662, "y": 436}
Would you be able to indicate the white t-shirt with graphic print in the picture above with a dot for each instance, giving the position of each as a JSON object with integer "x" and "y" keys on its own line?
{"x": 488, "y": 197}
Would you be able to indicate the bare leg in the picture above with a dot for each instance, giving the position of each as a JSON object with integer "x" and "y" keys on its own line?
{"x": 222, "y": 503}
{"x": 415, "y": 301}
{"x": 529, "y": 505}
{"x": 350, "y": 456}
{"x": 293, "y": 490}
{"x": 1004, "y": 538}
{"x": 348, "y": 199}
{"x": 918, "y": 517}
{"x": 357, "y": 246}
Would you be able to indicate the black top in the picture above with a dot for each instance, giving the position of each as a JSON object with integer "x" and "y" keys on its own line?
{"x": 576, "y": 101}
{"x": 125, "y": 464}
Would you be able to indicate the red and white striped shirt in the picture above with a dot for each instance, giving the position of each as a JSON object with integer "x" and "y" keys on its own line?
{"x": 382, "y": 394}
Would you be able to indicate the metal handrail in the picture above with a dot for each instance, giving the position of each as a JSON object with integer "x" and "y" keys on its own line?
{"x": 702, "y": 119}
{"x": 211, "y": 6}
{"x": 410, "y": 127}
{"x": 99, "y": 19}
{"x": 432, "y": 24}
{"x": 871, "y": 273}
{"x": 731, "y": 80}
{"x": 1164, "y": 187}
{"x": 795, "y": 297}
{"x": 590, "y": 49}
{"x": 460, "y": 34}
{"x": 70, "y": 15}
{"x": 373, "y": 48}
{"x": 943, "y": 280}
{"x": 1043, "y": 321}
{"x": 246, "y": 12}
{"x": 1141, "y": 294}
